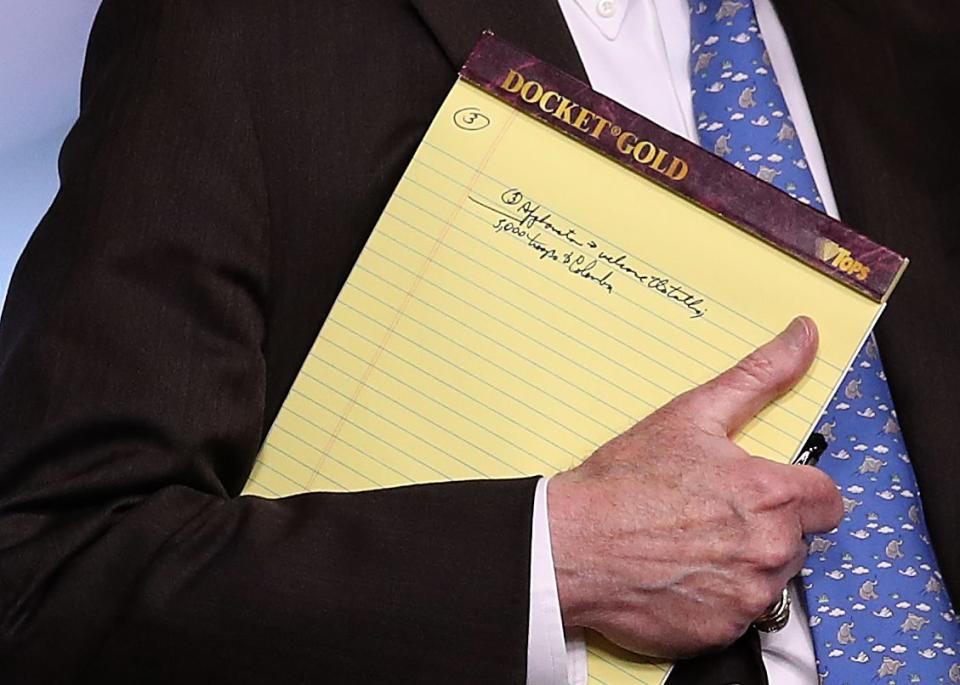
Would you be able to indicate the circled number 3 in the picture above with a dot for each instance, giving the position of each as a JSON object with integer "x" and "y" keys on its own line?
{"x": 470, "y": 119}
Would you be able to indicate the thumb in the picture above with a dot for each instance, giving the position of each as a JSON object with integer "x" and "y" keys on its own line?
{"x": 738, "y": 394}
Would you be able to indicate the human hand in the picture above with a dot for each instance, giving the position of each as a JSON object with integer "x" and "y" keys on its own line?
{"x": 670, "y": 540}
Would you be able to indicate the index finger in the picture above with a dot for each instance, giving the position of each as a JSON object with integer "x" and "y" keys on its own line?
{"x": 817, "y": 498}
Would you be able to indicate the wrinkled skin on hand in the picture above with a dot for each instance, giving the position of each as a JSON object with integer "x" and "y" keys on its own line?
{"x": 670, "y": 540}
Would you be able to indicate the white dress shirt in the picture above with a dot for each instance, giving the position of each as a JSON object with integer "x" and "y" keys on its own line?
{"x": 637, "y": 53}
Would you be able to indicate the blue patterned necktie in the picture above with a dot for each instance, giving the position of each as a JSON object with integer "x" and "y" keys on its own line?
{"x": 878, "y": 609}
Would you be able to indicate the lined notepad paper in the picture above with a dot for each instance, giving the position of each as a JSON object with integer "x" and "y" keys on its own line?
{"x": 524, "y": 299}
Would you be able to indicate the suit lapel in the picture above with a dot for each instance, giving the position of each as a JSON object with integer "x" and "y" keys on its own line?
{"x": 868, "y": 135}
{"x": 536, "y": 26}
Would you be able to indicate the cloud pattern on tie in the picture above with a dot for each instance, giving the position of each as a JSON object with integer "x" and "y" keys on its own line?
{"x": 740, "y": 111}
{"x": 878, "y": 608}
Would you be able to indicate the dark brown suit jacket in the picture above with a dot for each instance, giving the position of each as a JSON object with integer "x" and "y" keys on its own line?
{"x": 229, "y": 162}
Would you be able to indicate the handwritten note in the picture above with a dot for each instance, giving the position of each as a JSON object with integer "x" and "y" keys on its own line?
{"x": 524, "y": 299}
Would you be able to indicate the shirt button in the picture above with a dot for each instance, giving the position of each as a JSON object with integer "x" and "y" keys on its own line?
{"x": 606, "y": 8}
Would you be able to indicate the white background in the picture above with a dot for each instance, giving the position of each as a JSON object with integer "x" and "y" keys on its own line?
{"x": 42, "y": 43}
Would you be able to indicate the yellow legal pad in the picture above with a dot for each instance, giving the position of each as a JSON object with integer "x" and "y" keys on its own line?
{"x": 522, "y": 300}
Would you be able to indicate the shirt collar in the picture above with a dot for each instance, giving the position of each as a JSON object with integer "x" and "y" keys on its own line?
{"x": 606, "y": 15}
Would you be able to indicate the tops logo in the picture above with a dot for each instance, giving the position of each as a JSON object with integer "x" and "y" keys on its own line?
{"x": 839, "y": 258}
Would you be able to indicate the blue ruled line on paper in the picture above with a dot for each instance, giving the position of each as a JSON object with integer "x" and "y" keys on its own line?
{"x": 571, "y": 222}
{"x": 327, "y": 455}
{"x": 543, "y": 368}
{"x": 261, "y": 485}
{"x": 610, "y": 430}
{"x": 294, "y": 390}
{"x": 614, "y": 431}
{"x": 394, "y": 424}
{"x": 669, "y": 393}
{"x": 527, "y": 267}
{"x": 339, "y": 439}
{"x": 631, "y": 301}
{"x": 445, "y": 406}
{"x": 591, "y": 443}
{"x": 368, "y": 386}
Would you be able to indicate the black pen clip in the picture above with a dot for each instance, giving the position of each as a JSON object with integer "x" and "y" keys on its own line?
{"x": 814, "y": 448}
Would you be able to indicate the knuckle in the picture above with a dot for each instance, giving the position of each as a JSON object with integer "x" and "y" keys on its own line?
{"x": 777, "y": 492}
{"x": 720, "y": 631}
{"x": 755, "y": 370}
{"x": 795, "y": 564}
{"x": 758, "y": 601}
{"x": 778, "y": 555}
{"x": 760, "y": 594}
{"x": 775, "y": 546}
{"x": 767, "y": 488}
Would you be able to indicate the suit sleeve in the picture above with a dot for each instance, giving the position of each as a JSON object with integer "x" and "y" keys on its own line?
{"x": 132, "y": 383}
